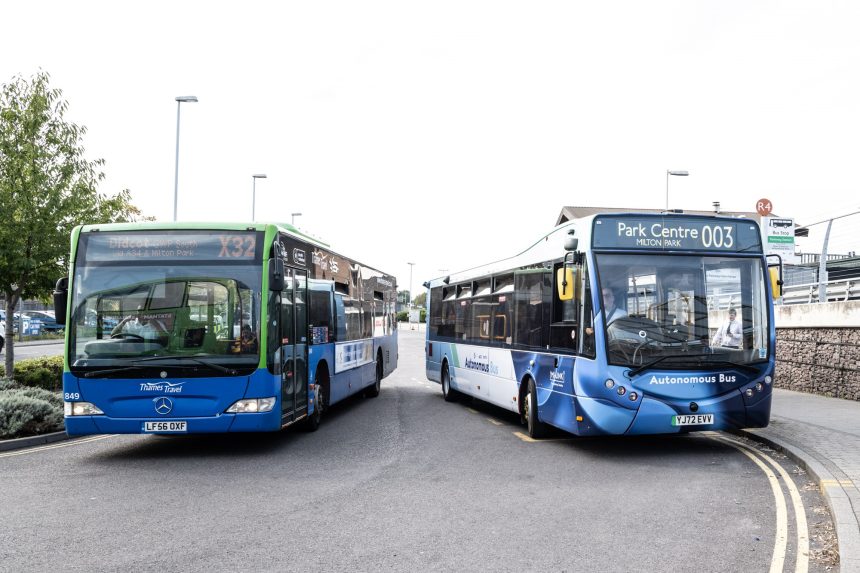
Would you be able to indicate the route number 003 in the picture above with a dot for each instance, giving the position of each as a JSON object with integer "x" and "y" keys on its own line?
{"x": 717, "y": 237}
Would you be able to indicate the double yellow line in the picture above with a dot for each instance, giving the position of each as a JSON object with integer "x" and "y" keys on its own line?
{"x": 780, "y": 548}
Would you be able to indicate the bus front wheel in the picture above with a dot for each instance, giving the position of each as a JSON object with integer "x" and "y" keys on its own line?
{"x": 537, "y": 429}
{"x": 448, "y": 393}
{"x": 314, "y": 419}
{"x": 373, "y": 391}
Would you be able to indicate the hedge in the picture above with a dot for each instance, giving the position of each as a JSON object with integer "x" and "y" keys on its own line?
{"x": 43, "y": 372}
{"x": 28, "y": 411}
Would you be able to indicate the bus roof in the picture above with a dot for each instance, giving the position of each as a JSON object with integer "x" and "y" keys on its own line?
{"x": 204, "y": 226}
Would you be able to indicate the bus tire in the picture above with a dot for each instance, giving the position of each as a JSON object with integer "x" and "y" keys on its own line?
{"x": 537, "y": 429}
{"x": 373, "y": 391}
{"x": 314, "y": 419}
{"x": 448, "y": 393}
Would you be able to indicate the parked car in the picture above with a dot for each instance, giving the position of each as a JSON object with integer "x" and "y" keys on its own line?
{"x": 46, "y": 319}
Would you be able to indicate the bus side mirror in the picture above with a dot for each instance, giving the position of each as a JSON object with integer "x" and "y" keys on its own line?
{"x": 775, "y": 282}
{"x": 565, "y": 281}
{"x": 774, "y": 269}
{"x": 571, "y": 243}
{"x": 61, "y": 300}
{"x": 276, "y": 274}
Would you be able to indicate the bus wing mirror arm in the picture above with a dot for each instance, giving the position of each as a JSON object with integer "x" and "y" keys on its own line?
{"x": 276, "y": 274}
{"x": 61, "y": 300}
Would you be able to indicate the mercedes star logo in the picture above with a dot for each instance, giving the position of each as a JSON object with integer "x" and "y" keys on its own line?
{"x": 163, "y": 405}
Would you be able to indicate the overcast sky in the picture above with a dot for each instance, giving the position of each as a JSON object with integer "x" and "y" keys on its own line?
{"x": 451, "y": 133}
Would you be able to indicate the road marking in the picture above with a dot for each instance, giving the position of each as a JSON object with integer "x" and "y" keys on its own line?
{"x": 471, "y": 410}
{"x": 524, "y": 437}
{"x": 802, "y": 562}
{"x": 836, "y": 483}
{"x": 494, "y": 422}
{"x": 527, "y": 438}
{"x": 55, "y": 446}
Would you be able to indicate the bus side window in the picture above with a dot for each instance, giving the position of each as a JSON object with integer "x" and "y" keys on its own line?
{"x": 563, "y": 330}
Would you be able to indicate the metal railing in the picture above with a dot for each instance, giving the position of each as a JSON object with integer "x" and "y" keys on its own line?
{"x": 841, "y": 290}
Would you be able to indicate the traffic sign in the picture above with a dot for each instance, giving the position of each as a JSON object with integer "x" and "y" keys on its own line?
{"x": 764, "y": 207}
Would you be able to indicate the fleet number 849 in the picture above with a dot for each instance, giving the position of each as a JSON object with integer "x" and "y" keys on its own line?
{"x": 718, "y": 237}
{"x": 71, "y": 396}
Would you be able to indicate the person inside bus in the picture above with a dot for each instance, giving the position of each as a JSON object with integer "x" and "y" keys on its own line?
{"x": 248, "y": 341}
{"x": 139, "y": 324}
{"x": 612, "y": 311}
{"x": 730, "y": 333}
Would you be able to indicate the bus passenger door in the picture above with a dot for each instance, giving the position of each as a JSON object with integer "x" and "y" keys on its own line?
{"x": 300, "y": 302}
{"x": 294, "y": 345}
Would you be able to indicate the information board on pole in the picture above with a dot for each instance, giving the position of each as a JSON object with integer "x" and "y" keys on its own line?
{"x": 778, "y": 238}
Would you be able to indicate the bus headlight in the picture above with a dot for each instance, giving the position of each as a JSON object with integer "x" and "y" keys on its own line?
{"x": 768, "y": 380}
{"x": 610, "y": 383}
{"x": 80, "y": 409}
{"x": 252, "y": 406}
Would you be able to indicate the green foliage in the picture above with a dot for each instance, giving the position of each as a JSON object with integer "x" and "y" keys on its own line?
{"x": 402, "y": 316}
{"x": 47, "y": 186}
{"x": 423, "y": 316}
{"x": 22, "y": 414}
{"x": 43, "y": 372}
{"x": 7, "y": 384}
{"x": 420, "y": 300}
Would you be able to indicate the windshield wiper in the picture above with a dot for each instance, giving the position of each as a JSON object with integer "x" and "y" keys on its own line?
{"x": 650, "y": 363}
{"x": 700, "y": 361}
{"x": 746, "y": 367}
{"x": 206, "y": 363}
{"x": 99, "y": 373}
{"x": 136, "y": 365}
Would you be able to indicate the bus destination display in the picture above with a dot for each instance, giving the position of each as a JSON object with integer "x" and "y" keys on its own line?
{"x": 170, "y": 247}
{"x": 684, "y": 233}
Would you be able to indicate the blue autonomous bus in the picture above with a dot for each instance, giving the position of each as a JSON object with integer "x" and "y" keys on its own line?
{"x": 177, "y": 328}
{"x": 615, "y": 324}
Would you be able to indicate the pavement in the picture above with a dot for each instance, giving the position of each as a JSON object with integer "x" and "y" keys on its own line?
{"x": 823, "y": 436}
{"x": 37, "y": 342}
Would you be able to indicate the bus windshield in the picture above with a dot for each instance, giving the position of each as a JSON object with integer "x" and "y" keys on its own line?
{"x": 124, "y": 313}
{"x": 683, "y": 311}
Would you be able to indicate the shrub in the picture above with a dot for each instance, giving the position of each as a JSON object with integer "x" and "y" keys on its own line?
{"x": 22, "y": 415}
{"x": 7, "y": 383}
{"x": 402, "y": 316}
{"x": 45, "y": 372}
{"x": 52, "y": 398}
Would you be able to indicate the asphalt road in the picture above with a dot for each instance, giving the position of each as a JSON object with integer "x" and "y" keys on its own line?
{"x": 404, "y": 481}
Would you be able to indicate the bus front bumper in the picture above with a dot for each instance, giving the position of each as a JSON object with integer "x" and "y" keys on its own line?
{"x": 257, "y": 422}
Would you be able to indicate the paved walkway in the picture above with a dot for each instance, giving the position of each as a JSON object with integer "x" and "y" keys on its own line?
{"x": 823, "y": 434}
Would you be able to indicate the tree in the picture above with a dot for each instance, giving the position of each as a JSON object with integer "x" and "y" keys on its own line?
{"x": 403, "y": 296}
{"x": 421, "y": 300}
{"x": 47, "y": 186}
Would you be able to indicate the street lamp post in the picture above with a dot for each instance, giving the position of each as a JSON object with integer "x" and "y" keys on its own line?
{"x": 410, "y": 293}
{"x": 294, "y": 215}
{"x": 677, "y": 174}
{"x": 254, "y": 195}
{"x": 179, "y": 101}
